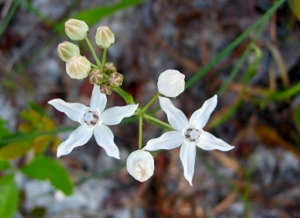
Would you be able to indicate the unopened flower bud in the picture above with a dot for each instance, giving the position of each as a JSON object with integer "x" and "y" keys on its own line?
{"x": 76, "y": 29}
{"x": 67, "y": 50}
{"x": 104, "y": 37}
{"x": 78, "y": 67}
{"x": 171, "y": 83}
{"x": 140, "y": 165}
{"x": 109, "y": 68}
{"x": 96, "y": 76}
{"x": 115, "y": 79}
{"x": 106, "y": 89}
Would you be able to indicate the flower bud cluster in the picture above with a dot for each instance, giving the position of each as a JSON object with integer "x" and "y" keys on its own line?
{"x": 107, "y": 79}
{"x": 186, "y": 134}
{"x": 79, "y": 67}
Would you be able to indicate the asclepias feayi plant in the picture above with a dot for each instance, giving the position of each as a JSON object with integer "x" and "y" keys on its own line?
{"x": 95, "y": 120}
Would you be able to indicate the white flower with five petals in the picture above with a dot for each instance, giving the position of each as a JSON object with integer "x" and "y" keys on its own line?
{"x": 94, "y": 121}
{"x": 188, "y": 134}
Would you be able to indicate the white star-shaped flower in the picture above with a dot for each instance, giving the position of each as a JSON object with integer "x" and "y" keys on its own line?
{"x": 188, "y": 134}
{"x": 93, "y": 120}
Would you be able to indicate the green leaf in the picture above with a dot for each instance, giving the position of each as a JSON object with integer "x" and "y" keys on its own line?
{"x": 4, "y": 132}
{"x": 14, "y": 150}
{"x": 94, "y": 15}
{"x": 4, "y": 165}
{"x": 8, "y": 197}
{"x": 296, "y": 7}
{"x": 251, "y": 72}
{"x": 297, "y": 115}
{"x": 45, "y": 168}
{"x": 37, "y": 108}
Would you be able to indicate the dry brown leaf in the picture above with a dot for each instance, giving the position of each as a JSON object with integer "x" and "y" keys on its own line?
{"x": 229, "y": 162}
{"x": 270, "y": 137}
{"x": 227, "y": 202}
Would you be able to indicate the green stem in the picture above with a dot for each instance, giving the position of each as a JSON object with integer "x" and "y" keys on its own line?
{"x": 16, "y": 138}
{"x": 103, "y": 58}
{"x": 94, "y": 66}
{"x": 93, "y": 51}
{"x": 234, "y": 44}
{"x": 144, "y": 109}
{"x": 127, "y": 97}
{"x": 157, "y": 121}
{"x": 140, "y": 129}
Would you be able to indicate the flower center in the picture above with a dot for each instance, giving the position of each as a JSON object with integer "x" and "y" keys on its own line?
{"x": 192, "y": 134}
{"x": 91, "y": 118}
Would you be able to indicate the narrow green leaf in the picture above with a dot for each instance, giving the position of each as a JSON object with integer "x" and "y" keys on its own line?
{"x": 45, "y": 168}
{"x": 8, "y": 197}
{"x": 94, "y": 15}
{"x": 251, "y": 72}
{"x": 233, "y": 44}
{"x": 9, "y": 16}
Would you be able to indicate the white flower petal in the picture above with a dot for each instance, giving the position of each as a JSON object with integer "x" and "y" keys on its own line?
{"x": 210, "y": 142}
{"x": 176, "y": 117}
{"x": 115, "y": 115}
{"x": 98, "y": 99}
{"x": 140, "y": 165}
{"x": 74, "y": 111}
{"x": 188, "y": 157}
{"x": 105, "y": 139}
{"x": 200, "y": 117}
{"x": 168, "y": 140}
{"x": 78, "y": 137}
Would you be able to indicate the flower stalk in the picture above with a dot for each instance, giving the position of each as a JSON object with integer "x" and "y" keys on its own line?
{"x": 93, "y": 51}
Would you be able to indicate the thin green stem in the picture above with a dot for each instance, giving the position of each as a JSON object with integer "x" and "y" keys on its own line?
{"x": 94, "y": 66}
{"x": 93, "y": 51}
{"x": 140, "y": 129}
{"x": 157, "y": 121}
{"x": 232, "y": 45}
{"x": 21, "y": 137}
{"x": 127, "y": 97}
{"x": 145, "y": 108}
{"x": 104, "y": 58}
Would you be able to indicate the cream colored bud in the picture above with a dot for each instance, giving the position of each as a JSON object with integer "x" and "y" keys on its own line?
{"x": 76, "y": 29}
{"x": 96, "y": 76}
{"x": 67, "y": 50}
{"x": 171, "y": 83}
{"x": 104, "y": 37}
{"x": 106, "y": 89}
{"x": 78, "y": 67}
{"x": 115, "y": 79}
{"x": 140, "y": 165}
